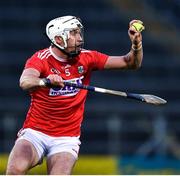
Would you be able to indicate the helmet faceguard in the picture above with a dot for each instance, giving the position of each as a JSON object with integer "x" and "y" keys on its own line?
{"x": 62, "y": 26}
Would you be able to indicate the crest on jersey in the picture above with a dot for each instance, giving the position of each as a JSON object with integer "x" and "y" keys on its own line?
{"x": 80, "y": 69}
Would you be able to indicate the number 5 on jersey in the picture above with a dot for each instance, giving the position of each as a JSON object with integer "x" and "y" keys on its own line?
{"x": 67, "y": 72}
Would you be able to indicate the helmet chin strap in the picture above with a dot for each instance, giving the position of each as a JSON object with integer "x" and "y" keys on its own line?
{"x": 71, "y": 54}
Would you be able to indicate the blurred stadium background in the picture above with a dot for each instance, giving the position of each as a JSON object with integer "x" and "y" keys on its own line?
{"x": 119, "y": 136}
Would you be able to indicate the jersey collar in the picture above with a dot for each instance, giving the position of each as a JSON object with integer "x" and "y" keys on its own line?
{"x": 56, "y": 57}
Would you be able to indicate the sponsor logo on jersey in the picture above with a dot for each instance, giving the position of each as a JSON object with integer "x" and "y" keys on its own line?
{"x": 67, "y": 66}
{"x": 66, "y": 90}
{"x": 55, "y": 71}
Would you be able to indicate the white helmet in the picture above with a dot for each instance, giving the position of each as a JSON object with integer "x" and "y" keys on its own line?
{"x": 61, "y": 26}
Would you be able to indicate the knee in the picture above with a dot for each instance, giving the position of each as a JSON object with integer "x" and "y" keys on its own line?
{"x": 15, "y": 169}
{"x": 21, "y": 158}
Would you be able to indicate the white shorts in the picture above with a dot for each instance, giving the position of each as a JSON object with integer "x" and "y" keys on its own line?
{"x": 48, "y": 145}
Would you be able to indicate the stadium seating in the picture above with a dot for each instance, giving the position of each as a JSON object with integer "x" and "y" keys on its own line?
{"x": 112, "y": 125}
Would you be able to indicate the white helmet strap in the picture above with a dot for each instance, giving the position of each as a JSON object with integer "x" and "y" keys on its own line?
{"x": 64, "y": 38}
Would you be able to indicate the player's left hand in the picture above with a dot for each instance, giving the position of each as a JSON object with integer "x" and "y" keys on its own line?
{"x": 134, "y": 36}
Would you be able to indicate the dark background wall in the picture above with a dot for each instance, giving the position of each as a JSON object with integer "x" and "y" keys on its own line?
{"x": 112, "y": 125}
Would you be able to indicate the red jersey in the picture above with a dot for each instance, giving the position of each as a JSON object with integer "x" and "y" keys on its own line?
{"x": 59, "y": 111}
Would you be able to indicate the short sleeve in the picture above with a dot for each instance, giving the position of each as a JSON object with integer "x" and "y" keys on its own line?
{"x": 99, "y": 60}
{"x": 34, "y": 62}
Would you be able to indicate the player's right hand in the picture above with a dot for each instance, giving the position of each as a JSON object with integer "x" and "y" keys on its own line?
{"x": 56, "y": 80}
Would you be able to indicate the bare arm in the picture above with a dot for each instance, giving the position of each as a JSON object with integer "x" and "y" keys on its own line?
{"x": 30, "y": 80}
{"x": 131, "y": 60}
